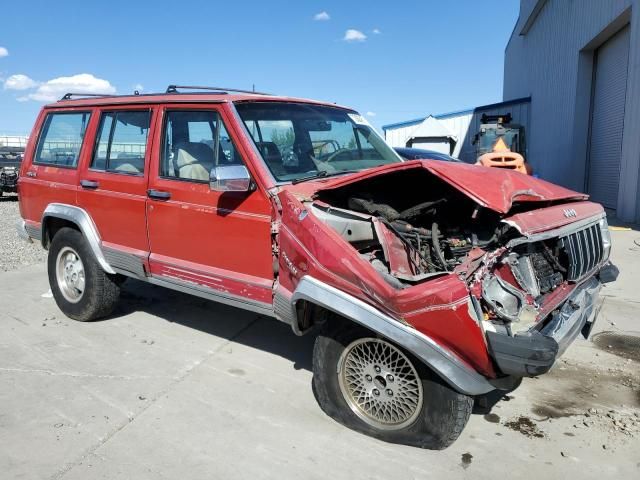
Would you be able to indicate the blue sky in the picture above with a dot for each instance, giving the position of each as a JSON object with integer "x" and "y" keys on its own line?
{"x": 390, "y": 60}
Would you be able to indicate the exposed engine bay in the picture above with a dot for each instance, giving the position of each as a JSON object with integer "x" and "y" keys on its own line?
{"x": 412, "y": 226}
{"x": 409, "y": 226}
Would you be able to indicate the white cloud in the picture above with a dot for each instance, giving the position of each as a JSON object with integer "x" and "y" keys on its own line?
{"x": 371, "y": 114}
{"x": 139, "y": 87}
{"x": 19, "y": 82}
{"x": 376, "y": 31}
{"x": 352, "y": 35}
{"x": 3, "y": 52}
{"x": 322, "y": 16}
{"x": 55, "y": 88}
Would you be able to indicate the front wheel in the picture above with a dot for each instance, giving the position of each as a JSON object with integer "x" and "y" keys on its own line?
{"x": 371, "y": 385}
{"x": 80, "y": 287}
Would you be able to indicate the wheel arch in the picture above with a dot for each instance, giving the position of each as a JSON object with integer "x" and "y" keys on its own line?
{"x": 59, "y": 215}
{"x": 444, "y": 363}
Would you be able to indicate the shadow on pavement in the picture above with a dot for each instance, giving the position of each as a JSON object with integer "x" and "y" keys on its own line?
{"x": 262, "y": 333}
{"x": 266, "y": 334}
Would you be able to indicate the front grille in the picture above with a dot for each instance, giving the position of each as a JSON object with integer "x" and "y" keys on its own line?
{"x": 585, "y": 251}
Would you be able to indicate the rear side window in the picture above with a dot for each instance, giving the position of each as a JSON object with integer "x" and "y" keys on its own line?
{"x": 61, "y": 139}
{"x": 122, "y": 142}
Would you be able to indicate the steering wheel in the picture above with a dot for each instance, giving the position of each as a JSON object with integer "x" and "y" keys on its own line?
{"x": 335, "y": 156}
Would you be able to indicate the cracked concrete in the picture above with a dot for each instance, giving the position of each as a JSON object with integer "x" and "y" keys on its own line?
{"x": 177, "y": 387}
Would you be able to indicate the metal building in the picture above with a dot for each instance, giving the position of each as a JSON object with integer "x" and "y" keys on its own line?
{"x": 579, "y": 61}
{"x": 462, "y": 127}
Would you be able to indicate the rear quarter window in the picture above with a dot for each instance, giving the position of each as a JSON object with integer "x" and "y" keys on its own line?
{"x": 61, "y": 139}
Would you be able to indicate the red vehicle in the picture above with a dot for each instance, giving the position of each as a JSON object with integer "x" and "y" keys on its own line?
{"x": 431, "y": 283}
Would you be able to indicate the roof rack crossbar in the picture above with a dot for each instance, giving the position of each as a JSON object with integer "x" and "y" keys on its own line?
{"x": 174, "y": 89}
{"x": 70, "y": 95}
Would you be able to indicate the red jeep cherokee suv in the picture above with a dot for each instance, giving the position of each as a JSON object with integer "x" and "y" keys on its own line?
{"x": 431, "y": 283}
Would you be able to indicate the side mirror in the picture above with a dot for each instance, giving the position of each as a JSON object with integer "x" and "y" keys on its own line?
{"x": 230, "y": 178}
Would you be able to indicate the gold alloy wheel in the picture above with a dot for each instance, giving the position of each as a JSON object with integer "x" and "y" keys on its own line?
{"x": 380, "y": 384}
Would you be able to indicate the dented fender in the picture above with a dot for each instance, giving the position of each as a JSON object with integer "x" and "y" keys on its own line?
{"x": 459, "y": 375}
{"x": 439, "y": 309}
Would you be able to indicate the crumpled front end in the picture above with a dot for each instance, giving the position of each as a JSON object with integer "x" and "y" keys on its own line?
{"x": 503, "y": 292}
{"x": 543, "y": 292}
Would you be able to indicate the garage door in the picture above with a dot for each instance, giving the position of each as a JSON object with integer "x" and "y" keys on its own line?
{"x": 607, "y": 119}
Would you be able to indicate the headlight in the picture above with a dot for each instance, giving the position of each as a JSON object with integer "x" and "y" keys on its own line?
{"x": 606, "y": 237}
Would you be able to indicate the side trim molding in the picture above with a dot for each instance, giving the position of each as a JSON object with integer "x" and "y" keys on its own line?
{"x": 82, "y": 219}
{"x": 458, "y": 375}
{"x": 210, "y": 294}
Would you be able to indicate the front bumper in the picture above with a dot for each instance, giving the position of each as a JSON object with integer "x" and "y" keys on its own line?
{"x": 534, "y": 352}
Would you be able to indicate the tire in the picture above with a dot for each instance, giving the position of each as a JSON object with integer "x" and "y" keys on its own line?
{"x": 97, "y": 296}
{"x": 436, "y": 420}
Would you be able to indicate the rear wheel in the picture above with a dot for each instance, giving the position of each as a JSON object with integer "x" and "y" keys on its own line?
{"x": 80, "y": 287}
{"x": 371, "y": 385}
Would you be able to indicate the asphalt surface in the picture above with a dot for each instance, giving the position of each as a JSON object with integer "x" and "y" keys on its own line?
{"x": 174, "y": 386}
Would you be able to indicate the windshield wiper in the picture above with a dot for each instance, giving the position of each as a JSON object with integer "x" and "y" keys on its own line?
{"x": 321, "y": 174}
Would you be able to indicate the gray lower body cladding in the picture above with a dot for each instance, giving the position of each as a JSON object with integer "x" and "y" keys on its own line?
{"x": 456, "y": 373}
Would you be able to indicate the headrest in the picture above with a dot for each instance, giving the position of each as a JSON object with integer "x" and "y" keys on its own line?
{"x": 193, "y": 152}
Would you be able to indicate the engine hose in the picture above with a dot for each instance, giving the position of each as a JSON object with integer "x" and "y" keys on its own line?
{"x": 436, "y": 246}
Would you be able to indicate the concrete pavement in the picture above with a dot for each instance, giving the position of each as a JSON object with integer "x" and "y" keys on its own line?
{"x": 178, "y": 387}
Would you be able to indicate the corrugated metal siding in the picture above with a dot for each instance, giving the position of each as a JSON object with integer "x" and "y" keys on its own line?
{"x": 544, "y": 64}
{"x": 464, "y": 126}
{"x": 397, "y": 137}
{"x": 607, "y": 121}
{"x": 458, "y": 125}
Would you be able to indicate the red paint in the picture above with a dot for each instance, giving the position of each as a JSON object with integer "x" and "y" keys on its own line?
{"x": 227, "y": 243}
{"x": 549, "y": 218}
{"x": 117, "y": 192}
{"x": 495, "y": 188}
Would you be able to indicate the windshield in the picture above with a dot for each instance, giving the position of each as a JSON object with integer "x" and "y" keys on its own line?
{"x": 489, "y": 138}
{"x": 297, "y": 140}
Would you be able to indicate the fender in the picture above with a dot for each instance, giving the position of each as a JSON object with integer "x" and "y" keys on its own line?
{"x": 447, "y": 365}
{"x": 85, "y": 224}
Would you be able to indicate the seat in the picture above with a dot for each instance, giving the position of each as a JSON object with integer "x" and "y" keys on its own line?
{"x": 272, "y": 156}
{"x": 127, "y": 163}
{"x": 193, "y": 161}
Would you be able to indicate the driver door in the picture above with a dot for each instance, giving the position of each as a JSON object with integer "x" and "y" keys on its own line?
{"x": 215, "y": 244}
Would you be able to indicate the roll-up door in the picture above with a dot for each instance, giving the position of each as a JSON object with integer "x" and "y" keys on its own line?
{"x": 607, "y": 119}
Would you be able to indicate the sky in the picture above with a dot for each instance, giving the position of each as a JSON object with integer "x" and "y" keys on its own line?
{"x": 390, "y": 60}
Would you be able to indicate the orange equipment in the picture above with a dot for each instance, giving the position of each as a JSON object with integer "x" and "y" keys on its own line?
{"x": 501, "y": 144}
{"x": 503, "y": 157}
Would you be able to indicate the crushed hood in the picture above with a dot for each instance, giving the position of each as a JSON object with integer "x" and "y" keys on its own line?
{"x": 493, "y": 188}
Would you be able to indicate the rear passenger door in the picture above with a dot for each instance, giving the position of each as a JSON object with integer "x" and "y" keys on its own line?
{"x": 113, "y": 185}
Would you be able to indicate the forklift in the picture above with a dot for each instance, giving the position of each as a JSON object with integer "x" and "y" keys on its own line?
{"x": 501, "y": 144}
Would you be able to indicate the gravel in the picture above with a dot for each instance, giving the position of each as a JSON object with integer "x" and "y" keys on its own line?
{"x": 15, "y": 252}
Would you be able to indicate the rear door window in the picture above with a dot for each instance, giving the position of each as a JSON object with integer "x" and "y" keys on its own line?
{"x": 61, "y": 139}
{"x": 122, "y": 142}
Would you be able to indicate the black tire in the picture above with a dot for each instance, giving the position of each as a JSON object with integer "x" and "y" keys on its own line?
{"x": 101, "y": 290}
{"x": 443, "y": 415}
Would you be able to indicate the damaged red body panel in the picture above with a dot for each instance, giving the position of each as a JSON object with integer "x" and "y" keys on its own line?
{"x": 298, "y": 210}
{"x": 441, "y": 304}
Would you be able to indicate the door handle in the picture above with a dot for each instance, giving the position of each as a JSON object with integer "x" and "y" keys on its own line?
{"x": 32, "y": 174}
{"x": 89, "y": 184}
{"x": 158, "y": 194}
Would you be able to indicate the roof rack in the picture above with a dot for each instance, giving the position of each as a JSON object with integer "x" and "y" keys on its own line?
{"x": 174, "y": 89}
{"x": 70, "y": 95}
